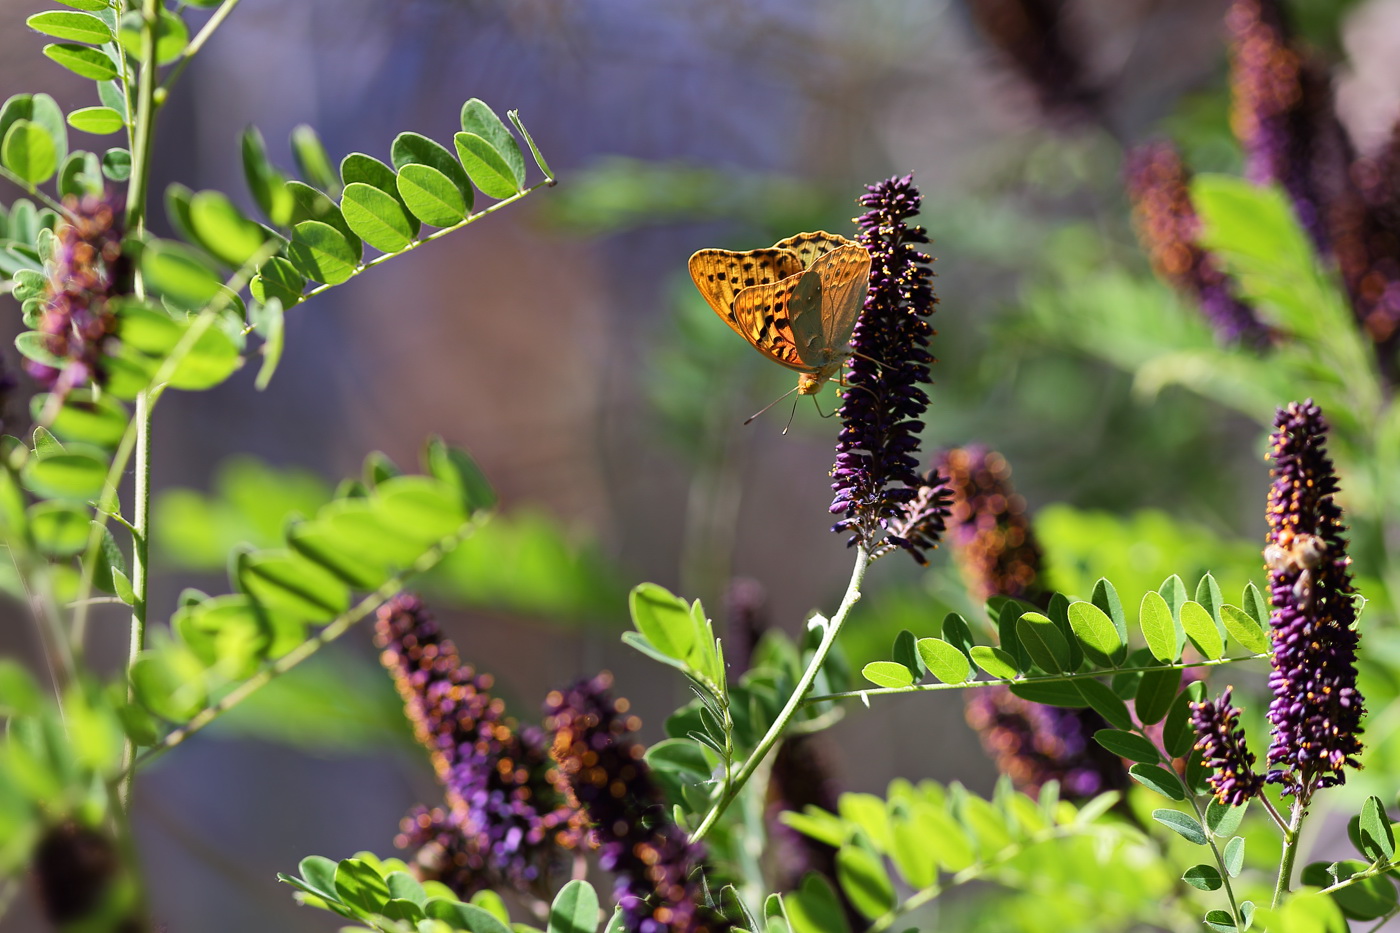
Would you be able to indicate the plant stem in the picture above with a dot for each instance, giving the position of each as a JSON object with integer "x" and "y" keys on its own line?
{"x": 775, "y": 732}
{"x": 1290, "y": 852}
{"x": 141, "y": 143}
{"x": 198, "y": 41}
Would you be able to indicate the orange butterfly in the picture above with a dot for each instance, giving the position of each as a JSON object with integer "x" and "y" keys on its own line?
{"x": 796, "y": 302}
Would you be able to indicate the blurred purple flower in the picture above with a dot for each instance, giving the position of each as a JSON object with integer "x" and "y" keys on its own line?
{"x": 503, "y": 794}
{"x": 876, "y": 472}
{"x": 1031, "y": 37}
{"x": 1365, "y": 227}
{"x": 1168, "y": 226}
{"x": 86, "y": 268}
{"x": 1222, "y": 744}
{"x": 1035, "y": 744}
{"x": 655, "y": 866}
{"x": 1316, "y": 710}
{"x": 80, "y": 882}
{"x": 989, "y": 527}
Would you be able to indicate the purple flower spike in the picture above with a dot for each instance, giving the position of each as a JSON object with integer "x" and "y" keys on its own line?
{"x": 1316, "y": 711}
{"x": 991, "y": 532}
{"x": 77, "y": 324}
{"x": 1222, "y": 743}
{"x": 506, "y": 805}
{"x": 1035, "y": 744}
{"x": 655, "y": 865}
{"x": 1168, "y": 226}
{"x": 876, "y": 472}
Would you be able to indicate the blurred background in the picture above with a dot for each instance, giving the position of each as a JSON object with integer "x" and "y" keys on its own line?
{"x": 562, "y": 343}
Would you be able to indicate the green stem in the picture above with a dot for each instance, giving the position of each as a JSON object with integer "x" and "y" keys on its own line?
{"x": 35, "y": 192}
{"x": 1017, "y": 681}
{"x": 831, "y": 629}
{"x": 140, "y": 568}
{"x": 198, "y": 41}
{"x": 144, "y": 120}
{"x": 1219, "y": 857}
{"x": 1290, "y": 853}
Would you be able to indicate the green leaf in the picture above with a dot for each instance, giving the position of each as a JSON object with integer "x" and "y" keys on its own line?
{"x": 415, "y": 149}
{"x": 906, "y": 652}
{"x": 1203, "y": 877}
{"x": 359, "y": 885}
{"x": 1184, "y": 826}
{"x": 1043, "y": 642}
{"x": 358, "y": 167}
{"x": 79, "y": 174}
{"x": 911, "y": 853}
{"x": 1224, "y": 820}
{"x": 464, "y": 916}
{"x": 514, "y": 116}
{"x": 1201, "y": 629}
{"x": 377, "y": 217}
{"x": 222, "y": 229}
{"x": 1178, "y": 736}
{"x": 958, "y": 633}
{"x": 29, "y": 151}
{"x": 99, "y": 121}
{"x": 1377, "y": 839}
{"x": 277, "y": 278}
{"x": 1173, "y": 590}
{"x": 269, "y": 321}
{"x": 288, "y": 582}
{"x": 60, "y": 529}
{"x": 213, "y": 358}
{"x": 664, "y": 619}
{"x": 1105, "y": 596}
{"x": 1105, "y": 702}
{"x": 312, "y": 161}
{"x": 887, "y": 674}
{"x": 1127, "y": 745}
{"x": 69, "y": 475}
{"x": 1095, "y": 631}
{"x": 480, "y": 119}
{"x": 1220, "y": 921}
{"x": 1209, "y": 596}
{"x": 1244, "y": 629}
{"x": 116, "y": 164}
{"x": 171, "y": 36}
{"x": 1159, "y": 628}
{"x": 83, "y": 61}
{"x": 864, "y": 880}
{"x": 455, "y": 468}
{"x": 994, "y": 661}
{"x": 269, "y": 186}
{"x": 1050, "y": 693}
{"x": 944, "y": 660}
{"x": 1155, "y": 694}
{"x": 575, "y": 909}
{"x": 169, "y": 683}
{"x": 179, "y": 274}
{"x": 1159, "y": 779}
{"x": 431, "y": 196}
{"x": 1255, "y": 605}
{"x": 92, "y": 6}
{"x": 1234, "y": 856}
{"x": 1367, "y": 899}
{"x": 486, "y": 167}
{"x": 19, "y": 693}
{"x": 85, "y": 417}
{"x": 76, "y": 27}
{"x": 321, "y": 253}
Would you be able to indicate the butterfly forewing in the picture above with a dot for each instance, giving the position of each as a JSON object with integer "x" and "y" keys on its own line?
{"x": 809, "y": 247}
{"x": 845, "y": 275}
{"x": 721, "y": 274}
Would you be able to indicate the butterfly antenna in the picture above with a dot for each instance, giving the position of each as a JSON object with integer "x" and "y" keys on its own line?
{"x": 775, "y": 401}
{"x": 792, "y": 414}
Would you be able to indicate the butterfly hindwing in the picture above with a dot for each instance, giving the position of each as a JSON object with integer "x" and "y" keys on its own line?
{"x": 764, "y": 315}
{"x": 720, "y": 275}
{"x": 845, "y": 275}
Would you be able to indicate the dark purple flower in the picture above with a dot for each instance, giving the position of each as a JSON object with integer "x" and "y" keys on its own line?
{"x": 921, "y": 525}
{"x": 655, "y": 866}
{"x": 1031, "y": 37}
{"x": 78, "y": 877}
{"x": 1169, "y": 228}
{"x": 1222, "y": 744}
{"x": 503, "y": 794}
{"x": 876, "y": 472}
{"x": 1316, "y": 710}
{"x": 1035, "y": 744}
{"x": 746, "y": 605}
{"x": 1365, "y": 227}
{"x": 1282, "y": 113}
{"x": 990, "y": 528}
{"x": 86, "y": 268}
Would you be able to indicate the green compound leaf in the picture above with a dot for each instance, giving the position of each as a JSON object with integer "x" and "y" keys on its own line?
{"x": 415, "y": 149}
{"x": 1203, "y": 877}
{"x": 377, "y": 217}
{"x": 431, "y": 196}
{"x": 1376, "y": 837}
{"x": 1096, "y": 632}
{"x": 1127, "y": 745}
{"x": 575, "y": 909}
{"x": 480, "y": 119}
{"x": 1244, "y": 629}
{"x": 1158, "y": 627}
{"x": 358, "y": 167}
{"x": 1185, "y": 826}
{"x": 321, "y": 253}
{"x": 83, "y": 61}
{"x": 29, "y": 151}
{"x": 887, "y": 674}
{"x": 486, "y": 167}
{"x": 1159, "y": 779}
{"x": 75, "y": 27}
{"x": 222, "y": 229}
{"x": 864, "y": 880}
{"x": 994, "y": 661}
{"x": 944, "y": 661}
{"x": 100, "y": 121}
{"x": 1043, "y": 642}
{"x": 1201, "y": 629}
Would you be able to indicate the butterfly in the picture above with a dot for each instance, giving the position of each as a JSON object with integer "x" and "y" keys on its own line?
{"x": 796, "y": 302}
